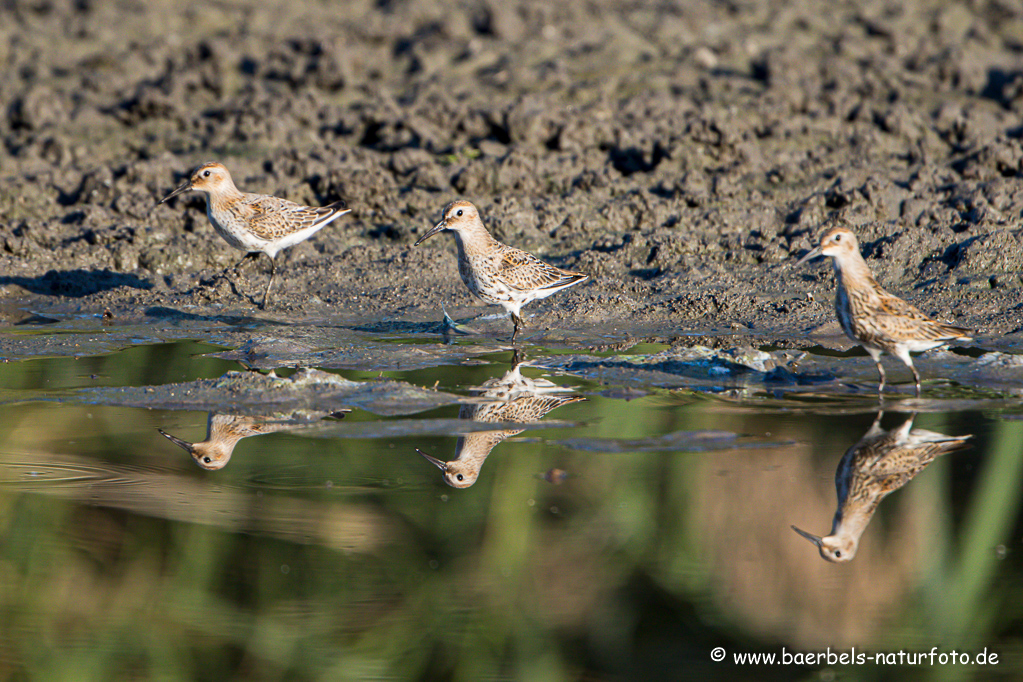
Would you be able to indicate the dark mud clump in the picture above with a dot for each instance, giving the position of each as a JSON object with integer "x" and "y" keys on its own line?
{"x": 683, "y": 155}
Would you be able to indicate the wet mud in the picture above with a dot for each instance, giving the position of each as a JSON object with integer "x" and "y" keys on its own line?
{"x": 683, "y": 156}
{"x": 252, "y": 393}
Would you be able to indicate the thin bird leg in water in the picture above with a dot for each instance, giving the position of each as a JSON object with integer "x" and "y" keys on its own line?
{"x": 884, "y": 378}
{"x": 517, "y": 321}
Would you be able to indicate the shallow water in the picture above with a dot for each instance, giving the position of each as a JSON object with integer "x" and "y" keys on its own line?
{"x": 610, "y": 515}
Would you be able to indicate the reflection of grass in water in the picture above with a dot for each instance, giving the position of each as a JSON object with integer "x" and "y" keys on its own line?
{"x": 413, "y": 579}
{"x": 468, "y": 579}
{"x": 134, "y": 366}
{"x": 960, "y": 582}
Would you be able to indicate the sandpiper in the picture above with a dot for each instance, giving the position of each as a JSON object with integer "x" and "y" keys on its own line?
{"x": 881, "y": 322}
{"x": 878, "y": 464}
{"x": 495, "y": 272}
{"x": 256, "y": 223}
{"x": 510, "y": 398}
{"x": 223, "y": 431}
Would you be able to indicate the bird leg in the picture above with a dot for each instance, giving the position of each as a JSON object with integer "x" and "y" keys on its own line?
{"x": 916, "y": 378}
{"x": 249, "y": 255}
{"x": 517, "y": 321}
{"x": 273, "y": 271}
{"x": 880, "y": 369}
{"x": 234, "y": 286}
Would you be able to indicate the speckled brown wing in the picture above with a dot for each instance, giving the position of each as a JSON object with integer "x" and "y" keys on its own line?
{"x": 224, "y": 426}
{"x": 887, "y": 462}
{"x": 895, "y": 467}
{"x": 523, "y": 409}
{"x": 909, "y": 459}
{"x": 273, "y": 217}
{"x": 897, "y": 319}
{"x": 524, "y": 271}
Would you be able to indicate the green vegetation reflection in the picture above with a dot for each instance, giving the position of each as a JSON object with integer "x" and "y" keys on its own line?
{"x": 316, "y": 557}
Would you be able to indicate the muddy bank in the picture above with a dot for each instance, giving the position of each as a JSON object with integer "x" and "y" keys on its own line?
{"x": 684, "y": 157}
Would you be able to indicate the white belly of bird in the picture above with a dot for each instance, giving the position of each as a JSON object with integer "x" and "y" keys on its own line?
{"x": 298, "y": 236}
{"x": 243, "y": 239}
{"x": 237, "y": 236}
{"x": 920, "y": 345}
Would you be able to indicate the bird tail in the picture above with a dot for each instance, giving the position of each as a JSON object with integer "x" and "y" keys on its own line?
{"x": 953, "y": 332}
{"x": 567, "y": 279}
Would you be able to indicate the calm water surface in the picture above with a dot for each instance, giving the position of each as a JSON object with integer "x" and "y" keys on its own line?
{"x": 551, "y": 528}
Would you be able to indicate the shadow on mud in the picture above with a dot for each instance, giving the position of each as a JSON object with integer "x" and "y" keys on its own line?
{"x": 77, "y": 283}
{"x": 228, "y": 319}
{"x": 401, "y": 327}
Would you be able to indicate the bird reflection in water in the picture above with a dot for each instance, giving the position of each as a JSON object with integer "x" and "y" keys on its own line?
{"x": 880, "y": 463}
{"x": 511, "y": 398}
{"x": 223, "y": 431}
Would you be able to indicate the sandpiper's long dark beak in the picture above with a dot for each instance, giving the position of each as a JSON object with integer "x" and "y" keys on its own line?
{"x": 815, "y": 252}
{"x": 443, "y": 466}
{"x": 439, "y": 227}
{"x": 815, "y": 539}
{"x": 180, "y": 190}
{"x": 177, "y": 441}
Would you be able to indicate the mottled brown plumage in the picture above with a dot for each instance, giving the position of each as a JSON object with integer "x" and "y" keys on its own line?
{"x": 256, "y": 223}
{"x": 497, "y": 273}
{"x": 878, "y": 464}
{"x": 510, "y": 398}
{"x": 879, "y": 321}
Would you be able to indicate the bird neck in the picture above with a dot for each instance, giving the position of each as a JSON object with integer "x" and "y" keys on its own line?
{"x": 474, "y": 243}
{"x": 222, "y": 440}
{"x": 850, "y": 522}
{"x": 854, "y": 271}
{"x": 224, "y": 195}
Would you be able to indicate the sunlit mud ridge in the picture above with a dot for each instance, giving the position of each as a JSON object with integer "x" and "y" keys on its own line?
{"x": 254, "y": 394}
{"x": 953, "y": 375}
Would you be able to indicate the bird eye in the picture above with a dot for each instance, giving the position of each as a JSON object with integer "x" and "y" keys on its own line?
{"x": 838, "y": 237}
{"x": 206, "y": 174}
{"x": 207, "y": 459}
{"x": 459, "y": 477}
{"x": 459, "y": 214}
{"x": 838, "y": 554}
